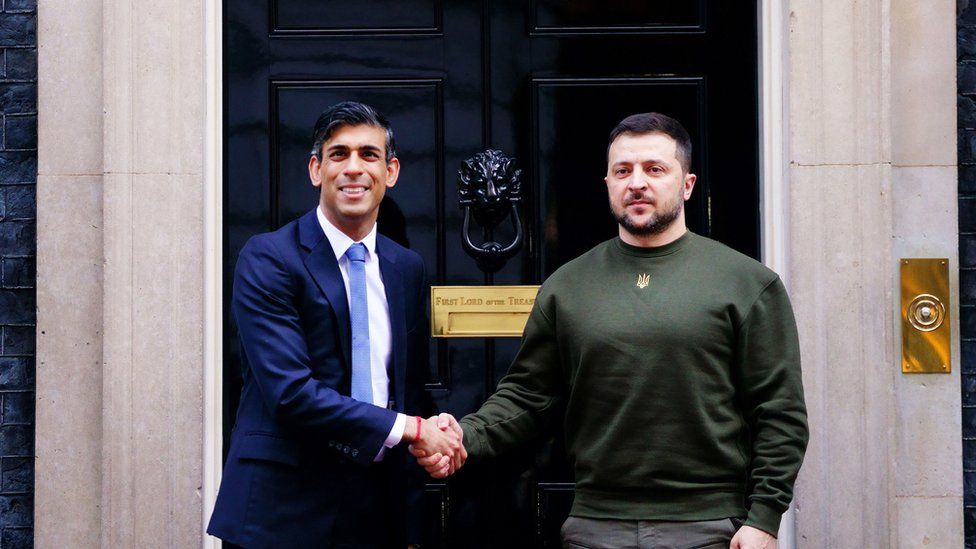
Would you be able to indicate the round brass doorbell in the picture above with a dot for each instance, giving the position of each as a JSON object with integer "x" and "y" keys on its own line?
{"x": 926, "y": 312}
{"x": 925, "y": 321}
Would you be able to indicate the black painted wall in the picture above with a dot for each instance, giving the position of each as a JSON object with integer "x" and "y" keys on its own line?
{"x": 966, "y": 65}
{"x": 18, "y": 244}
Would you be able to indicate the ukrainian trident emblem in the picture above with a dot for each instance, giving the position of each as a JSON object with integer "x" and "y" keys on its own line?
{"x": 643, "y": 280}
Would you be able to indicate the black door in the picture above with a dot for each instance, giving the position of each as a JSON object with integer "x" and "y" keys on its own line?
{"x": 542, "y": 80}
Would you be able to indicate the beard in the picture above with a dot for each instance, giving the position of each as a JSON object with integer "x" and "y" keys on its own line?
{"x": 658, "y": 222}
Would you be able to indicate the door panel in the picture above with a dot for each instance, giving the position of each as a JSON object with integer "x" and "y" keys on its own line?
{"x": 617, "y": 15}
{"x": 570, "y": 193}
{"x": 544, "y": 81}
{"x": 338, "y": 17}
{"x": 410, "y": 103}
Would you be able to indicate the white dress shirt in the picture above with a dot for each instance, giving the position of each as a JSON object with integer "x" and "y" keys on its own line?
{"x": 380, "y": 337}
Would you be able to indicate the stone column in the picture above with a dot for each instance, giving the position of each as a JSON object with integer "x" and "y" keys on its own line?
{"x": 928, "y": 487}
{"x": 871, "y": 117}
{"x": 68, "y": 476}
{"x": 120, "y": 372}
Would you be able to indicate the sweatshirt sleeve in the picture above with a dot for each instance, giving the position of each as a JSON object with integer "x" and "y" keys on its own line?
{"x": 768, "y": 376}
{"x": 526, "y": 399}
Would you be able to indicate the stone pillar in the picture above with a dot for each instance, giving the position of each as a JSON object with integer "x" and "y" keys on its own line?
{"x": 68, "y": 479}
{"x": 871, "y": 141}
{"x": 840, "y": 252}
{"x": 120, "y": 372}
{"x": 928, "y": 487}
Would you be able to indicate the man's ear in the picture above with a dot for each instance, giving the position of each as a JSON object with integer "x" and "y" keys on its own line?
{"x": 392, "y": 172}
{"x": 689, "y": 185}
{"x": 314, "y": 165}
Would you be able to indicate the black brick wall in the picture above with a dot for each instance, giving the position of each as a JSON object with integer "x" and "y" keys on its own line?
{"x": 966, "y": 83}
{"x": 18, "y": 244}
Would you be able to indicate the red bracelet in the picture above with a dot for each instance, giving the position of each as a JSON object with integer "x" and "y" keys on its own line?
{"x": 417, "y": 438}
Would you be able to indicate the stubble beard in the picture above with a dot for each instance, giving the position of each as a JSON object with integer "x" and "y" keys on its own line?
{"x": 657, "y": 224}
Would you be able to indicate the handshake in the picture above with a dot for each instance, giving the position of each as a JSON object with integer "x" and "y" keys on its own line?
{"x": 437, "y": 443}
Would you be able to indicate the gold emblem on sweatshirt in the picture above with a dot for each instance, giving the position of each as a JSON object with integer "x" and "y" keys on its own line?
{"x": 643, "y": 280}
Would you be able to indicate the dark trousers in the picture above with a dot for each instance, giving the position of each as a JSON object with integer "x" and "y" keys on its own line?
{"x": 587, "y": 533}
{"x": 365, "y": 519}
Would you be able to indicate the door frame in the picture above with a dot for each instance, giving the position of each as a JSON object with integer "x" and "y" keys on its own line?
{"x": 213, "y": 364}
{"x": 774, "y": 133}
{"x": 773, "y": 213}
{"x": 774, "y": 210}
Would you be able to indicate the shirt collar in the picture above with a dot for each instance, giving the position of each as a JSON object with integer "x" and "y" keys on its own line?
{"x": 340, "y": 241}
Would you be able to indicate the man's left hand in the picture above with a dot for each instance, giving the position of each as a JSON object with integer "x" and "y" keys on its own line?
{"x": 752, "y": 538}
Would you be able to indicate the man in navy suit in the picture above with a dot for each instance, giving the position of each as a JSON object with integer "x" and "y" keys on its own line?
{"x": 334, "y": 344}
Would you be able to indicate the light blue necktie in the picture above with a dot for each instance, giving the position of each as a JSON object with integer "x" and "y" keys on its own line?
{"x": 362, "y": 384}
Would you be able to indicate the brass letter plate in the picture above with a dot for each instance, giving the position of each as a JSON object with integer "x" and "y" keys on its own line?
{"x": 480, "y": 311}
{"x": 925, "y": 316}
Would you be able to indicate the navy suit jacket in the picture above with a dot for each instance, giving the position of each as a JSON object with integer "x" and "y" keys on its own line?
{"x": 298, "y": 434}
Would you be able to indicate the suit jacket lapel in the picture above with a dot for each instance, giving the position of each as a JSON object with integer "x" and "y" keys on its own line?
{"x": 393, "y": 282}
{"x": 324, "y": 268}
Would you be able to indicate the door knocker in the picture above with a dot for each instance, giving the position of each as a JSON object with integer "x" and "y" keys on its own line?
{"x": 490, "y": 186}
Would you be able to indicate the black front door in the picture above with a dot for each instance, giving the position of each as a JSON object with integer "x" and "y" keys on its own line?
{"x": 542, "y": 80}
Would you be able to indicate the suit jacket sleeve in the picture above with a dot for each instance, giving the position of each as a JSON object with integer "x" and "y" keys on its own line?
{"x": 264, "y": 306}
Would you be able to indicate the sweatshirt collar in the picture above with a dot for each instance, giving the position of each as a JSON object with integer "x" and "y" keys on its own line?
{"x": 654, "y": 251}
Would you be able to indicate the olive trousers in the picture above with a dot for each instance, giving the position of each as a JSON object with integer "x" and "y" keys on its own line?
{"x": 588, "y": 533}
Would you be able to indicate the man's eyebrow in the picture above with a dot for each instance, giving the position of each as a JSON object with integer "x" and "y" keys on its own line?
{"x": 658, "y": 161}
{"x": 628, "y": 162}
{"x": 341, "y": 146}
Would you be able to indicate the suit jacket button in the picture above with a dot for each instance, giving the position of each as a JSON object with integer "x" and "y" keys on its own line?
{"x": 346, "y": 449}
{"x": 331, "y": 444}
{"x": 355, "y": 453}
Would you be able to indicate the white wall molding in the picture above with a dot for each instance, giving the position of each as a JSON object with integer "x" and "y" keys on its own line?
{"x": 213, "y": 270}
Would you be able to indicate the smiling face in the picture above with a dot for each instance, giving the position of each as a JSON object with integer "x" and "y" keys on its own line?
{"x": 352, "y": 174}
{"x": 647, "y": 187}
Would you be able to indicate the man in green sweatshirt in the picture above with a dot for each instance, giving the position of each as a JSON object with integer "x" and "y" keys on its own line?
{"x": 672, "y": 362}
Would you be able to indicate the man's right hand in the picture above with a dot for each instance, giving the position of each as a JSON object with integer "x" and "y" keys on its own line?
{"x": 435, "y": 441}
{"x": 441, "y": 464}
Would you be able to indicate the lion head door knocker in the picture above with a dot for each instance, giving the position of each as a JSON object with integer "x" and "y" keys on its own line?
{"x": 490, "y": 186}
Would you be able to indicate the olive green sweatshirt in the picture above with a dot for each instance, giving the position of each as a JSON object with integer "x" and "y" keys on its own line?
{"x": 676, "y": 373}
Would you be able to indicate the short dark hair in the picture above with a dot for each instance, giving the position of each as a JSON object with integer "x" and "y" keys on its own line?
{"x": 350, "y": 113}
{"x": 654, "y": 122}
